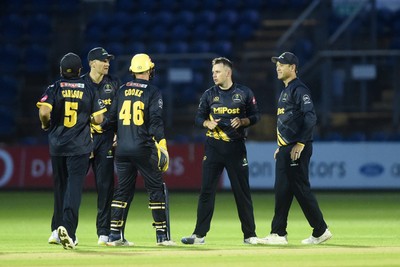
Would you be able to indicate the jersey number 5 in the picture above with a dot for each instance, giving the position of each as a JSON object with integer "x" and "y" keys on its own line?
{"x": 132, "y": 112}
{"x": 71, "y": 114}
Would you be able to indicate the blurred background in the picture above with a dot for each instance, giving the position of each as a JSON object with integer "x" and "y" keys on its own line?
{"x": 349, "y": 55}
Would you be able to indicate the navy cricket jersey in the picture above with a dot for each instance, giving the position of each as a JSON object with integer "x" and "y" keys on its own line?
{"x": 237, "y": 101}
{"x": 106, "y": 89}
{"x": 71, "y": 103}
{"x": 137, "y": 113}
{"x": 296, "y": 115}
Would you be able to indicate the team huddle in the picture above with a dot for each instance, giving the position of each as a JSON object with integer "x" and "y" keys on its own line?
{"x": 94, "y": 121}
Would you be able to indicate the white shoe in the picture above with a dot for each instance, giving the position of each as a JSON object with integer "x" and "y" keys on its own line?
{"x": 54, "y": 239}
{"x": 193, "y": 240}
{"x": 166, "y": 243}
{"x": 120, "y": 243}
{"x": 103, "y": 239}
{"x": 318, "y": 240}
{"x": 65, "y": 240}
{"x": 274, "y": 239}
{"x": 252, "y": 240}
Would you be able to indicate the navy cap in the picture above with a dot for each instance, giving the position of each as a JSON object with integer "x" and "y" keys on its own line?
{"x": 71, "y": 63}
{"x": 286, "y": 58}
{"x": 99, "y": 53}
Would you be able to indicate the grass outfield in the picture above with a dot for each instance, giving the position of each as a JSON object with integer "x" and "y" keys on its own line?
{"x": 365, "y": 227}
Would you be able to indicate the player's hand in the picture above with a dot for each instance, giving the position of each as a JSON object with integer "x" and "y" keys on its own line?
{"x": 45, "y": 127}
{"x": 296, "y": 151}
{"x": 211, "y": 124}
{"x": 163, "y": 156}
{"x": 276, "y": 152}
{"x": 236, "y": 122}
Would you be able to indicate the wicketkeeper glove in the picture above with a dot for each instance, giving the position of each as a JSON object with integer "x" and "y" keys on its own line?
{"x": 163, "y": 157}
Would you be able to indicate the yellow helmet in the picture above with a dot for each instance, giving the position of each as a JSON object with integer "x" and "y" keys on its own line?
{"x": 141, "y": 63}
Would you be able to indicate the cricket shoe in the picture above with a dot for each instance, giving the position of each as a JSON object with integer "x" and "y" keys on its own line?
{"x": 318, "y": 240}
{"x": 103, "y": 239}
{"x": 65, "y": 240}
{"x": 274, "y": 239}
{"x": 193, "y": 240}
{"x": 117, "y": 241}
{"x": 162, "y": 240}
{"x": 252, "y": 240}
{"x": 54, "y": 239}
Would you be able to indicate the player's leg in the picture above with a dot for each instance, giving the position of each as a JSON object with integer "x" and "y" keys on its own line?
{"x": 157, "y": 198}
{"x": 122, "y": 199}
{"x": 238, "y": 172}
{"x": 103, "y": 167}
{"x": 212, "y": 168}
{"x": 76, "y": 167}
{"x": 305, "y": 197}
{"x": 59, "y": 186}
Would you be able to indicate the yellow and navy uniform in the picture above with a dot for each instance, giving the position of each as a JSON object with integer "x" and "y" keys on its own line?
{"x": 296, "y": 121}
{"x": 136, "y": 116}
{"x": 72, "y": 103}
{"x": 295, "y": 114}
{"x": 225, "y": 149}
{"x": 102, "y": 160}
{"x": 215, "y": 103}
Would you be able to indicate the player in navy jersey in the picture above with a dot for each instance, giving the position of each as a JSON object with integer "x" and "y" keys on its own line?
{"x": 65, "y": 110}
{"x": 141, "y": 147}
{"x": 225, "y": 110}
{"x": 296, "y": 120}
{"x": 102, "y": 160}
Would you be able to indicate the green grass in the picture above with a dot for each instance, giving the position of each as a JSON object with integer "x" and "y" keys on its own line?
{"x": 365, "y": 228}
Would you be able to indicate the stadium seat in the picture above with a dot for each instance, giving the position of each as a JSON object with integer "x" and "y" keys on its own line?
{"x": 132, "y": 48}
{"x": 7, "y": 118}
{"x": 222, "y": 48}
{"x": 184, "y": 17}
{"x": 125, "y": 5}
{"x": 158, "y": 33}
{"x": 164, "y": 18}
{"x": 157, "y": 48}
{"x": 180, "y": 33}
{"x": 199, "y": 47}
{"x": 36, "y": 60}
{"x": 9, "y": 90}
{"x": 12, "y": 28}
{"x": 10, "y": 59}
{"x": 244, "y": 32}
{"x": 227, "y": 17}
{"x": 206, "y": 18}
{"x": 379, "y": 136}
{"x": 94, "y": 33}
{"x": 223, "y": 32}
{"x": 178, "y": 47}
{"x": 39, "y": 29}
{"x": 115, "y": 33}
{"x": 249, "y": 16}
{"x": 201, "y": 33}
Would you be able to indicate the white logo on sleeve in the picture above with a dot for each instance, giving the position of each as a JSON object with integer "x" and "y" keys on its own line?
{"x": 306, "y": 99}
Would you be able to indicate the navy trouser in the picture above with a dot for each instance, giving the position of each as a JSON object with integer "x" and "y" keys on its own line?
{"x": 127, "y": 170}
{"x": 233, "y": 157}
{"x": 103, "y": 168}
{"x": 292, "y": 180}
{"x": 69, "y": 173}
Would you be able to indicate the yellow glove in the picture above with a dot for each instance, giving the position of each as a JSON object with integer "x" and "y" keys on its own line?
{"x": 163, "y": 157}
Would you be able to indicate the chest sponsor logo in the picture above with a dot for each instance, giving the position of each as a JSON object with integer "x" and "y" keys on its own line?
{"x": 226, "y": 110}
{"x": 280, "y": 111}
